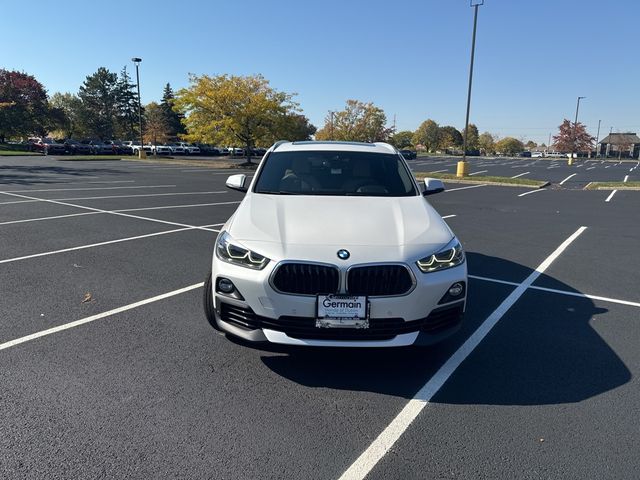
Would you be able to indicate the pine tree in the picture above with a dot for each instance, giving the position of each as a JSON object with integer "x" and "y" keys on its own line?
{"x": 99, "y": 104}
{"x": 127, "y": 106}
{"x": 172, "y": 118}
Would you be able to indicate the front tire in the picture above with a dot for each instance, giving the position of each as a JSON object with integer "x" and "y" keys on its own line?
{"x": 207, "y": 301}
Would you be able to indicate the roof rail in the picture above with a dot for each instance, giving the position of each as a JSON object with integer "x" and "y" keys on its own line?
{"x": 389, "y": 147}
{"x": 278, "y": 143}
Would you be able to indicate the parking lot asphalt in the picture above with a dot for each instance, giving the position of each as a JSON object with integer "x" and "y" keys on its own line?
{"x": 553, "y": 170}
{"x": 109, "y": 368}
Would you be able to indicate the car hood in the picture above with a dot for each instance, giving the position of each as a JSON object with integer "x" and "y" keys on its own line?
{"x": 315, "y": 227}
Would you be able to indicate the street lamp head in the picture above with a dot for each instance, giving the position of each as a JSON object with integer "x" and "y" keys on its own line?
{"x": 476, "y": 3}
{"x": 136, "y": 60}
{"x": 580, "y": 98}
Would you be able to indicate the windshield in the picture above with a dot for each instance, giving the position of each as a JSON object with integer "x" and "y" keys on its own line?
{"x": 335, "y": 173}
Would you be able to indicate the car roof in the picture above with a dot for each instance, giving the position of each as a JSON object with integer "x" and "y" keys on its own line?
{"x": 378, "y": 147}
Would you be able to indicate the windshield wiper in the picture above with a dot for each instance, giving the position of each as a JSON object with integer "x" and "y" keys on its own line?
{"x": 277, "y": 192}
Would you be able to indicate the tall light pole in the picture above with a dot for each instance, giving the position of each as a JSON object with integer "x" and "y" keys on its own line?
{"x": 141, "y": 152}
{"x": 331, "y": 112}
{"x": 575, "y": 132}
{"x": 463, "y": 169}
{"x": 598, "y": 138}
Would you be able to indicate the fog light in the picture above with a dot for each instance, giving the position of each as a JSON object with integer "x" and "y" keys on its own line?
{"x": 225, "y": 285}
{"x": 456, "y": 289}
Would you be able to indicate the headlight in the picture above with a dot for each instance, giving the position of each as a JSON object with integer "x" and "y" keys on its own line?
{"x": 452, "y": 255}
{"x": 229, "y": 251}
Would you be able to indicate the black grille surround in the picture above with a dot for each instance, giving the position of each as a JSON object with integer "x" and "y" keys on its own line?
{"x": 439, "y": 319}
{"x": 380, "y": 280}
{"x": 372, "y": 280}
{"x": 300, "y": 278}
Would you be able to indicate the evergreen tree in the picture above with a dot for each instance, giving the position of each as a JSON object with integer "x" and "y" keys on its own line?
{"x": 172, "y": 118}
{"x": 99, "y": 95}
{"x": 127, "y": 106}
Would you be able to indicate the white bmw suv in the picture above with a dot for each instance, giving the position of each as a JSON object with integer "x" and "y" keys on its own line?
{"x": 334, "y": 244}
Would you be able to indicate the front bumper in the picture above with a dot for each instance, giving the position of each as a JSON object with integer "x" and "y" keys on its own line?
{"x": 264, "y": 315}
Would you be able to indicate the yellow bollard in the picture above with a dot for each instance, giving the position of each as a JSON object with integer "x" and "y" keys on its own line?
{"x": 463, "y": 169}
{"x": 142, "y": 153}
{"x": 570, "y": 162}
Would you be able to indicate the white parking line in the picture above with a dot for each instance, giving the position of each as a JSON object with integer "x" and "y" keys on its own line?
{"x": 108, "y": 242}
{"x": 560, "y": 292}
{"x": 531, "y": 191}
{"x": 111, "y": 181}
{"x": 137, "y": 217}
{"x": 591, "y": 168}
{"x": 118, "y": 196}
{"x": 83, "y": 321}
{"x": 570, "y": 176}
{"x": 439, "y": 171}
{"x": 90, "y": 188}
{"x": 626, "y": 177}
{"x": 164, "y": 207}
{"x": 520, "y": 175}
{"x": 478, "y": 173}
{"x": 390, "y": 435}
{"x": 465, "y": 188}
{"x": 449, "y": 216}
{"x": 611, "y": 196}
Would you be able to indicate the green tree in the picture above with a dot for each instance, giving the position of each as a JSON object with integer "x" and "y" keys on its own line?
{"x": 509, "y": 146}
{"x": 99, "y": 95}
{"x": 24, "y": 108}
{"x": 71, "y": 106}
{"x": 486, "y": 143}
{"x": 295, "y": 127}
{"x": 531, "y": 145}
{"x": 358, "y": 122}
{"x": 232, "y": 110}
{"x": 126, "y": 106}
{"x": 427, "y": 135}
{"x": 156, "y": 128}
{"x": 402, "y": 139}
{"x": 173, "y": 117}
{"x": 450, "y": 137}
{"x": 472, "y": 137}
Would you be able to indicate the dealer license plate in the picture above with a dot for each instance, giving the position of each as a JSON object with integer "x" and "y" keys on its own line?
{"x": 342, "y": 311}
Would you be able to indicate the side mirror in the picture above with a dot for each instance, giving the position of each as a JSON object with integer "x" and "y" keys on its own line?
{"x": 236, "y": 182}
{"x": 432, "y": 186}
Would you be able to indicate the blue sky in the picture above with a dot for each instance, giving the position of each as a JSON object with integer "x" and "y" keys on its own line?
{"x": 410, "y": 57}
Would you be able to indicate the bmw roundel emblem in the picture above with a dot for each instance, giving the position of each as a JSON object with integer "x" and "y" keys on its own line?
{"x": 343, "y": 254}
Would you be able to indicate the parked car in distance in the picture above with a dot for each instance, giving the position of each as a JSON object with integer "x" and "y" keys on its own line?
{"x": 235, "y": 151}
{"x": 98, "y": 147}
{"x": 75, "y": 147}
{"x": 335, "y": 245}
{"x": 176, "y": 148}
{"x": 258, "y": 152}
{"x": 537, "y": 155}
{"x": 206, "y": 149}
{"x": 119, "y": 148}
{"x": 160, "y": 149}
{"x": 189, "y": 148}
{"x": 46, "y": 146}
{"x": 555, "y": 155}
{"x": 524, "y": 154}
{"x": 408, "y": 154}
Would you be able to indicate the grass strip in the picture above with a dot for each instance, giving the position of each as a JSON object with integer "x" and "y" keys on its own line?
{"x": 216, "y": 164}
{"x": 489, "y": 180}
{"x": 88, "y": 158}
{"x": 15, "y": 153}
{"x": 613, "y": 186}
